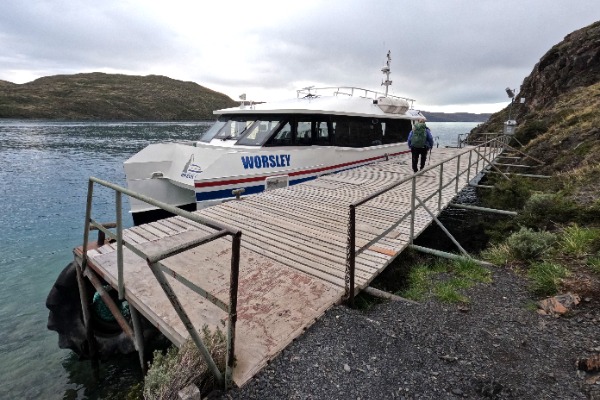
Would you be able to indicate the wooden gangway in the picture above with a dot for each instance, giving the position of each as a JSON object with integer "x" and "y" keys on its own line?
{"x": 303, "y": 249}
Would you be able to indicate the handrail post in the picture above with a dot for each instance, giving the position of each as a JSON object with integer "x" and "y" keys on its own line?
{"x": 469, "y": 168}
{"x": 119, "y": 210}
{"x": 440, "y": 187}
{"x": 88, "y": 217}
{"x": 233, "y": 293}
{"x": 412, "y": 208}
{"x": 351, "y": 253}
{"x": 457, "y": 173}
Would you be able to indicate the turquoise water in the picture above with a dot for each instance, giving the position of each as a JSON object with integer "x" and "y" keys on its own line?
{"x": 44, "y": 168}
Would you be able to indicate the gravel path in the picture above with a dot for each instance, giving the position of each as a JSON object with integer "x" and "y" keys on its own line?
{"x": 499, "y": 348}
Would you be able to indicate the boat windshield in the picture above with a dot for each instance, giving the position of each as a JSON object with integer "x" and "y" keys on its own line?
{"x": 228, "y": 128}
{"x": 210, "y": 134}
{"x": 259, "y": 132}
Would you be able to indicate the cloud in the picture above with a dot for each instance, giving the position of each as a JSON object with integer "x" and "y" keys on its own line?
{"x": 444, "y": 53}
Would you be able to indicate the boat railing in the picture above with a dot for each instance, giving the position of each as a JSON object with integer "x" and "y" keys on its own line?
{"x": 349, "y": 91}
{"x": 154, "y": 261}
{"x": 470, "y": 162}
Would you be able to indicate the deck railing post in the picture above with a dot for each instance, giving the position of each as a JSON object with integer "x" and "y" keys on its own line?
{"x": 469, "y": 168}
{"x": 351, "y": 253}
{"x": 457, "y": 174}
{"x": 88, "y": 218}
{"x": 138, "y": 334}
{"x": 412, "y": 208}
{"x": 119, "y": 209}
{"x": 440, "y": 187}
{"x": 233, "y": 293}
{"x": 86, "y": 312}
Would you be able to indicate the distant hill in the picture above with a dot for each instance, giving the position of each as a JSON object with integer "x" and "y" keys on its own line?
{"x": 455, "y": 117}
{"x": 99, "y": 96}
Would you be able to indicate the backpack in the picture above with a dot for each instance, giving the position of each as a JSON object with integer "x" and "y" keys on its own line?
{"x": 419, "y": 136}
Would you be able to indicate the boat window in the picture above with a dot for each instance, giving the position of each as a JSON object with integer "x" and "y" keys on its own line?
{"x": 357, "y": 132}
{"x": 258, "y": 133}
{"x": 210, "y": 134}
{"x": 322, "y": 133}
{"x": 234, "y": 128}
{"x": 283, "y": 137}
{"x": 396, "y": 130}
{"x": 303, "y": 133}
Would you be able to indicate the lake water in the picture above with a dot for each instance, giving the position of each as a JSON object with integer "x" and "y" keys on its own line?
{"x": 44, "y": 168}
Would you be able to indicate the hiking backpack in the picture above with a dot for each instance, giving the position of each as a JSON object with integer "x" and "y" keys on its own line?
{"x": 419, "y": 136}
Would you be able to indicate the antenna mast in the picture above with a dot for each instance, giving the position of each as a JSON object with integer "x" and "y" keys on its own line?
{"x": 386, "y": 71}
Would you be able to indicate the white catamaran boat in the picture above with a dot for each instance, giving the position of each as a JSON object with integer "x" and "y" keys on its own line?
{"x": 258, "y": 147}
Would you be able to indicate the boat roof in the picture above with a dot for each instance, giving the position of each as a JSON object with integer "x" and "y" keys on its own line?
{"x": 348, "y": 105}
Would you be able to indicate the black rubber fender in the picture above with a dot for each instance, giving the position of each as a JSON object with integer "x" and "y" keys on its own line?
{"x": 66, "y": 318}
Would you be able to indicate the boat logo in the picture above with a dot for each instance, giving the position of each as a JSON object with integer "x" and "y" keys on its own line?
{"x": 191, "y": 169}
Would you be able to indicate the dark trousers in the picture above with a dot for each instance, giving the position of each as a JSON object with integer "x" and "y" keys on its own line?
{"x": 416, "y": 152}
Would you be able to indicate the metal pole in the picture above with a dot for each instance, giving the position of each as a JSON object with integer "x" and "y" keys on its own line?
{"x": 139, "y": 337}
{"x": 351, "y": 253}
{"x": 450, "y": 256}
{"x": 88, "y": 217}
{"x": 457, "y": 173}
{"x": 233, "y": 293}
{"x": 412, "y": 209}
{"x": 89, "y": 333}
{"x": 120, "y": 245}
{"x": 443, "y": 228}
{"x": 108, "y": 301}
{"x": 470, "y": 165}
{"x": 492, "y": 210}
{"x": 440, "y": 187}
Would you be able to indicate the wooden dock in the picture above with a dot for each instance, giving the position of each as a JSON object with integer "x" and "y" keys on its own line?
{"x": 294, "y": 254}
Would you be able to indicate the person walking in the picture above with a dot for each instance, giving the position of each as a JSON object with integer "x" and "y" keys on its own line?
{"x": 420, "y": 141}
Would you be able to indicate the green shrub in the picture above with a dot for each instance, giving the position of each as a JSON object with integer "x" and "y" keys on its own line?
{"x": 497, "y": 254}
{"x": 177, "y": 368}
{"x": 546, "y": 277}
{"x": 544, "y": 210}
{"x": 507, "y": 193}
{"x": 527, "y": 244}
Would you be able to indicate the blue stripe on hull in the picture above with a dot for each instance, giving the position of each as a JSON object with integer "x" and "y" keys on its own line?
{"x": 226, "y": 193}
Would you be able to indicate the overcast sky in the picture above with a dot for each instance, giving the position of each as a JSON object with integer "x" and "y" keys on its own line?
{"x": 450, "y": 55}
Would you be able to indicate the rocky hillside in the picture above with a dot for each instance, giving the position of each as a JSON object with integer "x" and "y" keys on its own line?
{"x": 99, "y": 96}
{"x": 559, "y": 122}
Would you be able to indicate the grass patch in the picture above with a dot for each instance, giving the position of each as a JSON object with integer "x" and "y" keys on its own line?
{"x": 497, "y": 254}
{"x": 594, "y": 264}
{"x": 578, "y": 241}
{"x": 447, "y": 292}
{"x": 546, "y": 277}
{"x": 444, "y": 280}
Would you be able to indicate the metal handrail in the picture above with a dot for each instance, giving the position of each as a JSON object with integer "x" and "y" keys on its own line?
{"x": 158, "y": 269}
{"x": 340, "y": 90}
{"x": 494, "y": 145}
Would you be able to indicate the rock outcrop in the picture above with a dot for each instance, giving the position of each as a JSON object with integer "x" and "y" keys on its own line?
{"x": 573, "y": 64}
